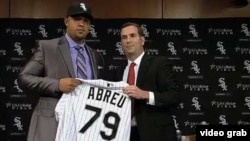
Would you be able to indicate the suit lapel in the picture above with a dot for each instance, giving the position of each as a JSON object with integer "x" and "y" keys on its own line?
{"x": 93, "y": 61}
{"x": 142, "y": 70}
{"x": 65, "y": 51}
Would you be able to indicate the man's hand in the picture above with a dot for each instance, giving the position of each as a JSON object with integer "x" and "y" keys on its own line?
{"x": 68, "y": 84}
{"x": 135, "y": 92}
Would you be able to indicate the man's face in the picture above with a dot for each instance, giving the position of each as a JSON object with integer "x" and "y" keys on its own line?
{"x": 132, "y": 42}
{"x": 77, "y": 27}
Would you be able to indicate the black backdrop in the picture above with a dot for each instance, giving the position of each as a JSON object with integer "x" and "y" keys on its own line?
{"x": 211, "y": 58}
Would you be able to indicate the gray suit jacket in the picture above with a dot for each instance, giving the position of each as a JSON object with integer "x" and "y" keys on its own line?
{"x": 40, "y": 76}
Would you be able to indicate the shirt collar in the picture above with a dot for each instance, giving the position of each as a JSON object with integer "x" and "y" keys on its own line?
{"x": 72, "y": 43}
{"x": 137, "y": 61}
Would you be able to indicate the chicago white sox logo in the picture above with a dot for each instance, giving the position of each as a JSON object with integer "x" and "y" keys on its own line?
{"x": 17, "y": 87}
{"x": 223, "y": 120}
{"x": 222, "y": 84}
{"x": 195, "y": 67}
{"x": 221, "y": 48}
{"x": 175, "y": 122}
{"x": 92, "y": 31}
{"x": 18, "y": 48}
{"x": 119, "y": 48}
{"x": 171, "y": 48}
{"x": 247, "y": 100}
{"x": 196, "y": 103}
{"x": 43, "y": 31}
{"x": 145, "y": 31}
{"x": 247, "y": 65}
{"x": 18, "y": 123}
{"x": 193, "y": 30}
{"x": 82, "y": 5}
{"x": 245, "y": 30}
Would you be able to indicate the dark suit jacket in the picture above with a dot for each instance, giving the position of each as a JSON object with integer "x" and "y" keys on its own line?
{"x": 155, "y": 122}
{"x": 51, "y": 61}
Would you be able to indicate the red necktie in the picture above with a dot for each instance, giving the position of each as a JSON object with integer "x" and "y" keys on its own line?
{"x": 131, "y": 74}
{"x": 131, "y": 81}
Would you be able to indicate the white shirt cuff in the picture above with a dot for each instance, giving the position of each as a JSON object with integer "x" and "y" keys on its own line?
{"x": 151, "y": 99}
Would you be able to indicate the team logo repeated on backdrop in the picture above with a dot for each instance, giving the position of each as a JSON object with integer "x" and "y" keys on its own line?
{"x": 210, "y": 57}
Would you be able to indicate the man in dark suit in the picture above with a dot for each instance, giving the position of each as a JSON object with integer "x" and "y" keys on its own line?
{"x": 53, "y": 69}
{"x": 154, "y": 89}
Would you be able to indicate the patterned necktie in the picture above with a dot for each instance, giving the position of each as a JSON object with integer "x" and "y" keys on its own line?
{"x": 80, "y": 63}
{"x": 131, "y": 81}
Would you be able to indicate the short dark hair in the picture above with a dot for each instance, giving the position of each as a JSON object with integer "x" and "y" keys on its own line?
{"x": 140, "y": 31}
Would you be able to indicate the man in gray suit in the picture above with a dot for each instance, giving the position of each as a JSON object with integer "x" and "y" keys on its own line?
{"x": 53, "y": 69}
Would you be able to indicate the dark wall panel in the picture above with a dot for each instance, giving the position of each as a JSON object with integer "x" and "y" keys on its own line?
{"x": 4, "y": 9}
{"x": 101, "y": 9}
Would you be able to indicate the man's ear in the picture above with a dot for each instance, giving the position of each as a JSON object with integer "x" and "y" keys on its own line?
{"x": 66, "y": 21}
{"x": 142, "y": 40}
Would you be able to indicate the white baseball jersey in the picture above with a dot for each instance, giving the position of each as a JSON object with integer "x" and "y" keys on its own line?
{"x": 96, "y": 111}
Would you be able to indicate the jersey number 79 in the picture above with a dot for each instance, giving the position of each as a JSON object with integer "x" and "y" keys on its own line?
{"x": 114, "y": 126}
